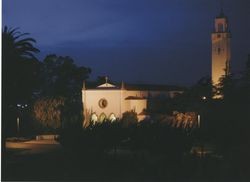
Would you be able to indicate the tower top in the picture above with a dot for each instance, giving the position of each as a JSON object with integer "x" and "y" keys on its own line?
{"x": 221, "y": 22}
{"x": 221, "y": 15}
{"x": 222, "y": 12}
{"x": 221, "y": 8}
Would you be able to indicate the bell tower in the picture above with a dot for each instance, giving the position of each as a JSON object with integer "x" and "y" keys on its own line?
{"x": 221, "y": 52}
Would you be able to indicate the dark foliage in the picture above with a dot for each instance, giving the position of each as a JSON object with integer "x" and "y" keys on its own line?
{"x": 19, "y": 78}
{"x": 129, "y": 118}
{"x": 61, "y": 77}
{"x": 20, "y": 67}
{"x": 106, "y": 136}
{"x": 194, "y": 98}
{"x": 26, "y": 80}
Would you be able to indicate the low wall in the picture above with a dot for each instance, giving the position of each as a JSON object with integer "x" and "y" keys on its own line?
{"x": 47, "y": 137}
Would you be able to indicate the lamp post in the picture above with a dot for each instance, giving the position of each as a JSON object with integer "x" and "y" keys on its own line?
{"x": 199, "y": 121}
{"x": 201, "y": 144}
{"x": 203, "y": 98}
{"x": 18, "y": 125}
{"x": 20, "y": 109}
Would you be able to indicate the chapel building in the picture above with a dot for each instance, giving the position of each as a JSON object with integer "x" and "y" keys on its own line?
{"x": 109, "y": 101}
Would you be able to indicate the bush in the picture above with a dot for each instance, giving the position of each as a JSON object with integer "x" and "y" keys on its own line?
{"x": 129, "y": 118}
{"x": 47, "y": 112}
{"x": 151, "y": 137}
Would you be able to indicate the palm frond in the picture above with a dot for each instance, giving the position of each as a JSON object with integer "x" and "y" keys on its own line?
{"x": 13, "y": 31}
{"x": 14, "y": 46}
{"x": 26, "y": 40}
{"x": 21, "y": 35}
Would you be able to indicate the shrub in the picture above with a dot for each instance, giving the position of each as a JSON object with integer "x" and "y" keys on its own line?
{"x": 47, "y": 111}
{"x": 129, "y": 118}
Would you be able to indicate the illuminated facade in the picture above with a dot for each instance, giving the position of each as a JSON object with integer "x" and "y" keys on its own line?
{"x": 108, "y": 101}
{"x": 221, "y": 52}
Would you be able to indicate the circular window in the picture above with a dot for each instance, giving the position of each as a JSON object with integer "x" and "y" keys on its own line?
{"x": 103, "y": 103}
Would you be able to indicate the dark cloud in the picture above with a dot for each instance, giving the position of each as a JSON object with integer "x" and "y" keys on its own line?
{"x": 141, "y": 40}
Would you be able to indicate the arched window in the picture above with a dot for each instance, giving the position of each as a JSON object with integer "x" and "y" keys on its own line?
{"x": 102, "y": 117}
{"x": 112, "y": 117}
{"x": 221, "y": 27}
{"x": 94, "y": 118}
{"x": 219, "y": 50}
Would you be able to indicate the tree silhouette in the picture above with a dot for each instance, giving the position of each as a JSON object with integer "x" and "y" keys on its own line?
{"x": 226, "y": 87}
{"x": 129, "y": 118}
{"x": 14, "y": 46}
{"x": 19, "y": 70}
{"x": 61, "y": 77}
{"x": 194, "y": 97}
{"x": 246, "y": 82}
{"x": 20, "y": 66}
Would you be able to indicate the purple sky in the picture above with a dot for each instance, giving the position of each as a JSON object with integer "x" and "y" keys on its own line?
{"x": 145, "y": 41}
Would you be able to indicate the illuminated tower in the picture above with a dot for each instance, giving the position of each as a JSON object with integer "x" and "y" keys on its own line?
{"x": 221, "y": 52}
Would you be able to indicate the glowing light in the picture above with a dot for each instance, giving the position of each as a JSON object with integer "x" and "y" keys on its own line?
{"x": 102, "y": 117}
{"x": 199, "y": 121}
{"x": 94, "y": 117}
{"x": 18, "y": 125}
{"x": 112, "y": 117}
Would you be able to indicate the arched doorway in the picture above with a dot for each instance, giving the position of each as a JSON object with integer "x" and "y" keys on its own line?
{"x": 112, "y": 117}
{"x": 94, "y": 118}
{"x": 102, "y": 117}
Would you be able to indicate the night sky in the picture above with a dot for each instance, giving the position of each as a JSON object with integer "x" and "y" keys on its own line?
{"x": 138, "y": 41}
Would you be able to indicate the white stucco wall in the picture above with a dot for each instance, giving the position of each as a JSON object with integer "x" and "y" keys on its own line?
{"x": 118, "y": 101}
{"x": 91, "y": 100}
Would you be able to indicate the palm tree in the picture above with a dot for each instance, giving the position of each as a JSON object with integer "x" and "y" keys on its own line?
{"x": 15, "y": 46}
{"x": 18, "y": 63}
{"x": 17, "y": 60}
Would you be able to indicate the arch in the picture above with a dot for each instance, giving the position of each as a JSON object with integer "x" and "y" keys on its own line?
{"x": 219, "y": 50}
{"x": 93, "y": 118}
{"x": 221, "y": 27}
{"x": 112, "y": 117}
{"x": 102, "y": 117}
